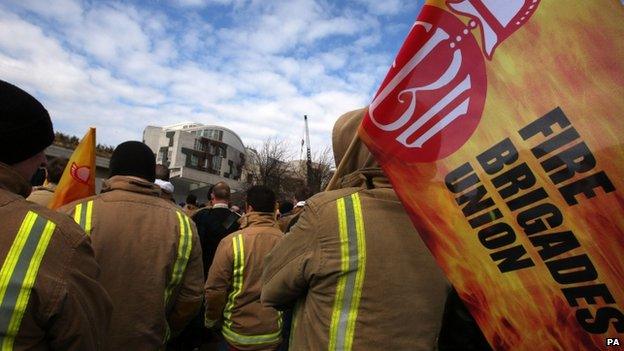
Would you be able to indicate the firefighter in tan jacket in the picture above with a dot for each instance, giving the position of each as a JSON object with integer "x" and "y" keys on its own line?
{"x": 148, "y": 250}
{"x": 233, "y": 285}
{"x": 353, "y": 265}
{"x": 50, "y": 298}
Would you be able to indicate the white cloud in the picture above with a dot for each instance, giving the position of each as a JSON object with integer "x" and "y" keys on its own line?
{"x": 257, "y": 68}
{"x": 385, "y": 7}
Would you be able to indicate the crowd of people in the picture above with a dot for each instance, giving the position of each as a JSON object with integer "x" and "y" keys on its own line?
{"x": 129, "y": 269}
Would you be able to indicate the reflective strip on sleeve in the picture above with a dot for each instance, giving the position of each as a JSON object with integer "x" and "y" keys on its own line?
{"x": 82, "y": 215}
{"x": 351, "y": 279}
{"x": 237, "y": 278}
{"x": 237, "y": 288}
{"x": 293, "y": 324}
{"x": 241, "y": 339}
{"x": 185, "y": 245}
{"x": 184, "y": 252}
{"x": 18, "y": 274}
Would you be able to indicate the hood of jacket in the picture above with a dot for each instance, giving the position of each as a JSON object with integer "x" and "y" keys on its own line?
{"x": 12, "y": 181}
{"x": 355, "y": 165}
{"x": 132, "y": 184}
{"x": 258, "y": 219}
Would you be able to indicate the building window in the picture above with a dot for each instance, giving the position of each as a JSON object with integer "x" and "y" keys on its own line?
{"x": 194, "y": 161}
{"x": 216, "y": 163}
{"x": 170, "y": 136}
{"x": 199, "y": 146}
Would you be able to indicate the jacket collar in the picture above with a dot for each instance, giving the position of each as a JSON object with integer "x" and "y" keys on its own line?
{"x": 365, "y": 178}
{"x": 51, "y": 187}
{"x": 258, "y": 219}
{"x": 132, "y": 184}
{"x": 12, "y": 181}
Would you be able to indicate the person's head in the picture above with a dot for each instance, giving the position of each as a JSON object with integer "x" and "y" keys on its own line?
{"x": 191, "y": 199}
{"x": 162, "y": 172}
{"x": 220, "y": 192}
{"x": 25, "y": 130}
{"x": 285, "y": 207}
{"x": 350, "y": 152}
{"x": 260, "y": 199}
{"x": 133, "y": 158}
{"x": 55, "y": 169}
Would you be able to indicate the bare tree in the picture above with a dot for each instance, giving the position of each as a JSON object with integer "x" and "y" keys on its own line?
{"x": 322, "y": 170}
{"x": 267, "y": 164}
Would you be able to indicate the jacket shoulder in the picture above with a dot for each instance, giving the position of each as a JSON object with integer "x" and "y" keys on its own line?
{"x": 327, "y": 198}
{"x": 69, "y": 207}
{"x": 65, "y": 225}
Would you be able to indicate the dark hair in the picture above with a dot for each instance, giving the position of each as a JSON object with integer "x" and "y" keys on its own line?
{"x": 162, "y": 172}
{"x": 55, "y": 169}
{"x": 191, "y": 199}
{"x": 133, "y": 158}
{"x": 261, "y": 198}
{"x": 286, "y": 206}
{"x": 221, "y": 191}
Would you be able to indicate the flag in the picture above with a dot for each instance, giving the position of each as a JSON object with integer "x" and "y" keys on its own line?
{"x": 500, "y": 127}
{"x": 78, "y": 180}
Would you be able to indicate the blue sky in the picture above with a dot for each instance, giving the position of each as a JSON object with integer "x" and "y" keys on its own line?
{"x": 255, "y": 66}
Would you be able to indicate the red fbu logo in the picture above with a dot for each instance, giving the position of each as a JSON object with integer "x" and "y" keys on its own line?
{"x": 432, "y": 99}
{"x": 612, "y": 342}
{"x": 80, "y": 173}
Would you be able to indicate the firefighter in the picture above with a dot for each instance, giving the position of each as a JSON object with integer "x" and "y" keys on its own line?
{"x": 50, "y": 297}
{"x": 354, "y": 267}
{"x": 233, "y": 285}
{"x": 148, "y": 250}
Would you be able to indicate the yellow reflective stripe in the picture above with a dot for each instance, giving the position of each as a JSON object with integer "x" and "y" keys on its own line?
{"x": 185, "y": 245}
{"x": 87, "y": 226}
{"x": 184, "y": 251}
{"x": 237, "y": 278}
{"x": 82, "y": 215}
{"x": 242, "y": 339}
{"x": 78, "y": 214}
{"x": 19, "y": 272}
{"x": 344, "y": 253}
{"x": 351, "y": 277}
{"x": 294, "y": 322}
{"x": 16, "y": 248}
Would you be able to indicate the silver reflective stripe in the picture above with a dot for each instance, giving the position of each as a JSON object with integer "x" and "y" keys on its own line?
{"x": 18, "y": 274}
{"x": 351, "y": 279}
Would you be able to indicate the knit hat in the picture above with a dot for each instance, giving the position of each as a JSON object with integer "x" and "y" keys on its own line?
{"x": 25, "y": 125}
{"x": 133, "y": 158}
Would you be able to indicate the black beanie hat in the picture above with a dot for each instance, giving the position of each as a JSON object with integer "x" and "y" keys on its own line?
{"x": 25, "y": 125}
{"x": 133, "y": 158}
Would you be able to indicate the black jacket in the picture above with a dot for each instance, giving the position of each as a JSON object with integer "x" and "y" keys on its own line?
{"x": 213, "y": 224}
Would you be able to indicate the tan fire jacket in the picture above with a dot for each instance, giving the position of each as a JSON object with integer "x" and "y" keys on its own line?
{"x": 150, "y": 257}
{"x": 42, "y": 195}
{"x": 353, "y": 265}
{"x": 50, "y": 297}
{"x": 233, "y": 285}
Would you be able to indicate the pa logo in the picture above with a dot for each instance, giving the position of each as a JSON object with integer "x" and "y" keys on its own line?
{"x": 612, "y": 342}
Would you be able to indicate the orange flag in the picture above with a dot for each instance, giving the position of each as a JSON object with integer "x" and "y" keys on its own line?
{"x": 78, "y": 180}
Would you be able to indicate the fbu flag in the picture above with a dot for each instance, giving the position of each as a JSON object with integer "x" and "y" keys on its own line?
{"x": 78, "y": 180}
{"x": 500, "y": 127}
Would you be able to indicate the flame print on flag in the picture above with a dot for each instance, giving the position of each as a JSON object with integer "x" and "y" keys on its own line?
{"x": 532, "y": 240}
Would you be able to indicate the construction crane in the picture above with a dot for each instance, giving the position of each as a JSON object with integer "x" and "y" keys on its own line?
{"x": 308, "y": 152}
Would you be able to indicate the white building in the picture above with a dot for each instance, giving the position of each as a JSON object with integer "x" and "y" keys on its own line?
{"x": 198, "y": 156}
